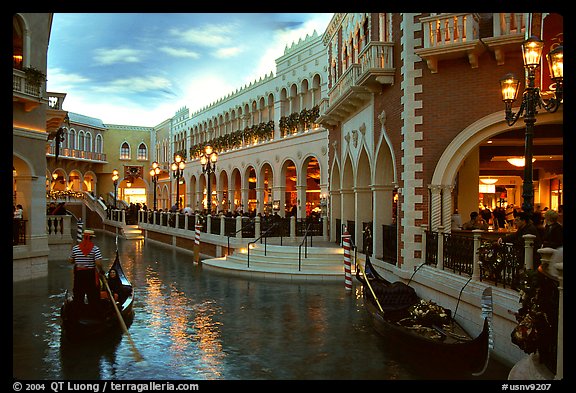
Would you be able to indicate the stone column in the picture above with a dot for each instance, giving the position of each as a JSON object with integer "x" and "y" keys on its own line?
{"x": 435, "y": 210}
{"x": 382, "y": 202}
{"x": 301, "y": 193}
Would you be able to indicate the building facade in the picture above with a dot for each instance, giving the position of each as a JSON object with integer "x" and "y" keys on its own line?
{"x": 34, "y": 119}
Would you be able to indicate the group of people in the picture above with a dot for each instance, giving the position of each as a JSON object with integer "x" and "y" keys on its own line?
{"x": 56, "y": 209}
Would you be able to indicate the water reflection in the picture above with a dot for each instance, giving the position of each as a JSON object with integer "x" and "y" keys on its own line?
{"x": 191, "y": 323}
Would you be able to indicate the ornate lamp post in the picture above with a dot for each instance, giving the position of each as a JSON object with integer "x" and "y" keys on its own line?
{"x": 178, "y": 170}
{"x": 208, "y": 161}
{"x": 115, "y": 178}
{"x": 154, "y": 172}
{"x": 531, "y": 101}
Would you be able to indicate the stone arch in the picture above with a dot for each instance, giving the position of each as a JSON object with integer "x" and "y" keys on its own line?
{"x": 335, "y": 203}
{"x": 451, "y": 159}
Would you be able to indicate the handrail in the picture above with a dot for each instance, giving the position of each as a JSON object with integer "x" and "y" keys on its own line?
{"x": 259, "y": 238}
{"x": 305, "y": 240}
{"x": 239, "y": 230}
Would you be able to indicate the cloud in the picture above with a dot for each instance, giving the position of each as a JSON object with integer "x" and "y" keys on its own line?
{"x": 113, "y": 56}
{"x": 208, "y": 35}
{"x": 179, "y": 52}
{"x": 59, "y": 80}
{"x": 135, "y": 85}
{"x": 228, "y": 52}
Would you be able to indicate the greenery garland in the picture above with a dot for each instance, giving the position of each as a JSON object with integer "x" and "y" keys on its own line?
{"x": 537, "y": 328}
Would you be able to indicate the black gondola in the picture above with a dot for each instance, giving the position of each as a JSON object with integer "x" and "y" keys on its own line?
{"x": 445, "y": 346}
{"x": 84, "y": 322}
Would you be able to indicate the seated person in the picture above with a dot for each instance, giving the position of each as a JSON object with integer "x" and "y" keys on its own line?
{"x": 476, "y": 222}
{"x": 118, "y": 290}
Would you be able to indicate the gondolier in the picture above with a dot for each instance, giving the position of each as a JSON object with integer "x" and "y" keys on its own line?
{"x": 81, "y": 323}
{"x": 87, "y": 260}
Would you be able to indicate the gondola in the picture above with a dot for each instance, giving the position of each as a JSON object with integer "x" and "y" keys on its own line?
{"x": 86, "y": 323}
{"x": 395, "y": 315}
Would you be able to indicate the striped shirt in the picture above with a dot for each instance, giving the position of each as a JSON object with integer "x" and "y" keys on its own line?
{"x": 85, "y": 261}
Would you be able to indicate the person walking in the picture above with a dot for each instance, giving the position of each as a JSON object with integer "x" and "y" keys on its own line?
{"x": 87, "y": 260}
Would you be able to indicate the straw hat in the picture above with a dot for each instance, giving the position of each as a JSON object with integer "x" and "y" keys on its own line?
{"x": 89, "y": 232}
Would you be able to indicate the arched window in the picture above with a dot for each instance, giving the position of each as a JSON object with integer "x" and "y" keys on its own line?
{"x": 142, "y": 152}
{"x": 88, "y": 142}
{"x": 17, "y": 42}
{"x": 72, "y": 139}
{"x": 125, "y": 151}
{"x": 81, "y": 140}
{"x": 99, "y": 144}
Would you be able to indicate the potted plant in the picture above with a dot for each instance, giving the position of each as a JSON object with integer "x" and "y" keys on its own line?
{"x": 34, "y": 76}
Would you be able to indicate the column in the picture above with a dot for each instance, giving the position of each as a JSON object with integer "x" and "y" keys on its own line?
{"x": 382, "y": 202}
{"x": 278, "y": 194}
{"x": 363, "y": 208}
{"x": 447, "y": 208}
{"x": 435, "y": 211}
{"x": 244, "y": 201}
{"x": 260, "y": 199}
{"x": 301, "y": 193}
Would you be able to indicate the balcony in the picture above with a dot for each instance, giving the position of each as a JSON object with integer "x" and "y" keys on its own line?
{"x": 355, "y": 87}
{"x": 508, "y": 34}
{"x": 25, "y": 91}
{"x": 75, "y": 154}
{"x": 55, "y": 115}
{"x": 450, "y": 36}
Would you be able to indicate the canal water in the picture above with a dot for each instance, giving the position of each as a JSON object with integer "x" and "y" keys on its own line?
{"x": 192, "y": 323}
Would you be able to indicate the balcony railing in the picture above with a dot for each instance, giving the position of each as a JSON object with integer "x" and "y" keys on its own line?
{"x": 476, "y": 256}
{"x": 66, "y": 152}
{"x": 375, "y": 59}
{"x": 449, "y": 29}
{"x": 21, "y": 85}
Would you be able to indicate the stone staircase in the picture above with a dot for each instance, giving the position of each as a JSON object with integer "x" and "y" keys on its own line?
{"x": 132, "y": 232}
{"x": 318, "y": 263}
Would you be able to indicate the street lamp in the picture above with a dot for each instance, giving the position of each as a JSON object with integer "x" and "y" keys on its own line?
{"x": 208, "y": 161}
{"x": 178, "y": 170}
{"x": 115, "y": 181}
{"x": 531, "y": 100}
{"x": 154, "y": 172}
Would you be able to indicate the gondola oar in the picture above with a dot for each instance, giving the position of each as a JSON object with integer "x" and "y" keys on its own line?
{"x": 137, "y": 355}
{"x": 368, "y": 282}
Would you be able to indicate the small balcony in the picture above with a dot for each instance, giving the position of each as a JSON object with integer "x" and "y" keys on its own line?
{"x": 75, "y": 154}
{"x": 26, "y": 91}
{"x": 356, "y": 85}
{"x": 450, "y": 36}
{"x": 508, "y": 34}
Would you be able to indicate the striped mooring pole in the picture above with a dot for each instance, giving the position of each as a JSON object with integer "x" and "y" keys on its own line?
{"x": 79, "y": 230}
{"x": 197, "y": 243}
{"x": 347, "y": 262}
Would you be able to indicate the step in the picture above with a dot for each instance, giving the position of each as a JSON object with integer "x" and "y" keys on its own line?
{"x": 287, "y": 264}
{"x": 132, "y": 232}
{"x": 240, "y": 269}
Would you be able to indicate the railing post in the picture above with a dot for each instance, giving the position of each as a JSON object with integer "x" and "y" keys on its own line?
{"x": 186, "y": 221}
{"x": 293, "y": 227}
{"x": 222, "y": 224}
{"x": 208, "y": 223}
{"x": 423, "y": 228}
{"x": 528, "y": 251}
{"x": 440, "y": 264}
{"x": 476, "y": 257}
{"x": 239, "y": 227}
